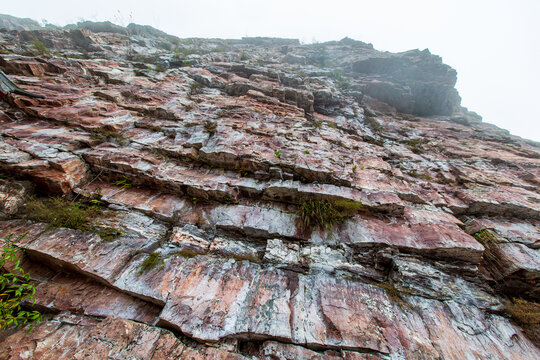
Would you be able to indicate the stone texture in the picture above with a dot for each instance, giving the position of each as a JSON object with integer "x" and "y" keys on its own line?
{"x": 198, "y": 152}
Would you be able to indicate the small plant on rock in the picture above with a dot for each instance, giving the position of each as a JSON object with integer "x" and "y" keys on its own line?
{"x": 324, "y": 214}
{"x": 277, "y": 154}
{"x": 124, "y": 183}
{"x": 527, "y": 315}
{"x": 210, "y": 127}
{"x": 151, "y": 262}
{"x": 15, "y": 289}
{"x": 40, "y": 47}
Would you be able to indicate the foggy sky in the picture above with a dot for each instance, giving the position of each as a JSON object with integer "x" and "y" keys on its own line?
{"x": 491, "y": 43}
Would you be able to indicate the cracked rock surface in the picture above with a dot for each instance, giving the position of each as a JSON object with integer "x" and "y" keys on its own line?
{"x": 198, "y": 153}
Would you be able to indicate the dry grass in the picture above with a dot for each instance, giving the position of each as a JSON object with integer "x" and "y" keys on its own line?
{"x": 527, "y": 315}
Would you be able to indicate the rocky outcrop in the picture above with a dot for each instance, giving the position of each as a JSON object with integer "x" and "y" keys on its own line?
{"x": 193, "y": 158}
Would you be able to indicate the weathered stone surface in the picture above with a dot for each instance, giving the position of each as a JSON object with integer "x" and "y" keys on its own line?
{"x": 76, "y": 337}
{"x": 198, "y": 154}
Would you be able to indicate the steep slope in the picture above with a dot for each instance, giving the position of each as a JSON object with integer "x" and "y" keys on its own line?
{"x": 193, "y": 156}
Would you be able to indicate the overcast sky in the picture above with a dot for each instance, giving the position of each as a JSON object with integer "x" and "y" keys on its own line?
{"x": 491, "y": 43}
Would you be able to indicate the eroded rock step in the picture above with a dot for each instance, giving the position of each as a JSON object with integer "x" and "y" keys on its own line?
{"x": 212, "y": 299}
{"x": 422, "y": 230}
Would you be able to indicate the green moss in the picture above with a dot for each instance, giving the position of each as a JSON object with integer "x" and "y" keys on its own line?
{"x": 418, "y": 175}
{"x": 486, "y": 236}
{"x": 109, "y": 234}
{"x": 325, "y": 214}
{"x": 151, "y": 262}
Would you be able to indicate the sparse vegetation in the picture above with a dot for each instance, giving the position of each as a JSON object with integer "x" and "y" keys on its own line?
{"x": 373, "y": 124}
{"x": 324, "y": 214}
{"x": 210, "y": 127}
{"x": 527, "y": 315}
{"x": 124, "y": 182}
{"x": 40, "y": 47}
{"x": 306, "y": 151}
{"x": 418, "y": 175}
{"x": 151, "y": 262}
{"x": 392, "y": 293}
{"x": 354, "y": 168}
{"x": 486, "y": 236}
{"x": 317, "y": 123}
{"x": 15, "y": 289}
{"x": 341, "y": 81}
{"x": 103, "y": 135}
{"x": 277, "y": 154}
{"x": 59, "y": 212}
{"x": 415, "y": 145}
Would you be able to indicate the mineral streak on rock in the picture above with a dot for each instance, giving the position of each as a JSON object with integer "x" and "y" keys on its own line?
{"x": 197, "y": 153}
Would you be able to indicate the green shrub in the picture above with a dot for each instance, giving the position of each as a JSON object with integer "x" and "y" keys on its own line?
{"x": 324, "y": 214}
{"x": 15, "y": 288}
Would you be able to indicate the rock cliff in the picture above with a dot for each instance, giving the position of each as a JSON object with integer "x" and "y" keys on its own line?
{"x": 186, "y": 162}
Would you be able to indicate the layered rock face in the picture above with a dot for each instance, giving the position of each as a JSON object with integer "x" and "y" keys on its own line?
{"x": 198, "y": 153}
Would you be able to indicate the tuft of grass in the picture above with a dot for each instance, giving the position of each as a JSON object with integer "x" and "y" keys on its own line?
{"x": 354, "y": 168}
{"x": 102, "y": 135}
{"x": 527, "y": 315}
{"x": 324, "y": 214}
{"x": 418, "y": 175}
{"x": 124, "y": 182}
{"x": 40, "y": 47}
{"x": 373, "y": 124}
{"x": 277, "y": 154}
{"x": 58, "y": 212}
{"x": 210, "y": 127}
{"x": 306, "y": 151}
{"x": 415, "y": 145}
{"x": 151, "y": 262}
{"x": 317, "y": 123}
